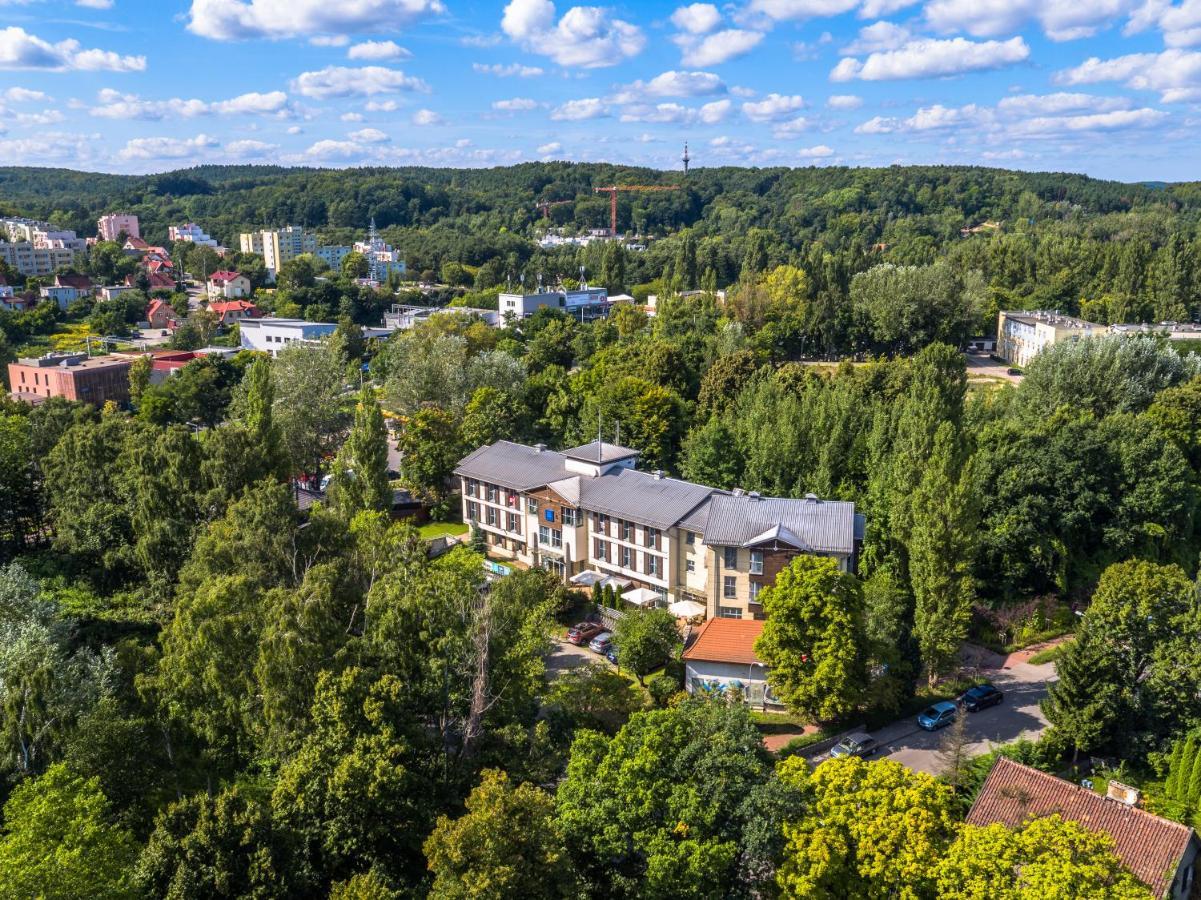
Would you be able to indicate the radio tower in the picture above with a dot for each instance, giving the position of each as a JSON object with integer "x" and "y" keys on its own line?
{"x": 373, "y": 263}
{"x": 687, "y": 158}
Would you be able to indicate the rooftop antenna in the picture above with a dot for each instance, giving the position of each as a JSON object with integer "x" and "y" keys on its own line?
{"x": 686, "y": 158}
{"x": 600, "y": 440}
{"x": 583, "y": 283}
{"x": 617, "y": 440}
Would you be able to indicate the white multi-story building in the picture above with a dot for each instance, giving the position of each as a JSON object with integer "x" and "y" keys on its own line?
{"x": 333, "y": 254}
{"x": 586, "y": 304}
{"x": 30, "y": 260}
{"x": 1021, "y": 336}
{"x": 190, "y": 233}
{"x": 283, "y": 244}
{"x": 271, "y": 335}
{"x": 402, "y": 317}
{"x": 111, "y": 226}
{"x": 251, "y": 242}
{"x": 588, "y": 514}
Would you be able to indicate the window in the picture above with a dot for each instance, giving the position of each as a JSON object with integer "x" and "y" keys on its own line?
{"x": 627, "y": 557}
{"x": 548, "y": 514}
{"x": 627, "y": 531}
{"x": 756, "y": 562}
{"x": 602, "y": 524}
{"x": 601, "y": 548}
{"x": 531, "y": 505}
{"x": 473, "y": 511}
{"x": 689, "y": 538}
{"x": 729, "y": 588}
{"x": 490, "y": 515}
{"x": 472, "y": 487}
{"x": 756, "y": 587}
{"x": 690, "y": 565}
{"x": 549, "y": 537}
{"x": 652, "y": 537}
{"x": 731, "y": 557}
{"x": 493, "y": 494}
{"x": 554, "y": 565}
{"x": 571, "y": 516}
{"x": 729, "y": 612}
{"x": 652, "y": 565}
{"x": 514, "y": 523}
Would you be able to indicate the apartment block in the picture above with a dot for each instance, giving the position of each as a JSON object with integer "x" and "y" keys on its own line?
{"x": 1021, "y": 336}
{"x": 589, "y": 511}
{"x": 111, "y": 227}
{"x": 70, "y": 375}
{"x": 251, "y": 242}
{"x": 30, "y": 260}
{"x": 192, "y": 233}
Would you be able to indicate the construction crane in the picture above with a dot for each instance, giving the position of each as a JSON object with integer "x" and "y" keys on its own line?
{"x": 613, "y": 190}
{"x": 543, "y": 206}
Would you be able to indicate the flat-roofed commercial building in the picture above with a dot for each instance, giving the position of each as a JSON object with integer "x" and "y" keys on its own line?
{"x": 70, "y": 375}
{"x": 1021, "y": 336}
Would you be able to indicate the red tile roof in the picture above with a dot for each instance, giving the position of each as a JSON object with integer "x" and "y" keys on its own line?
{"x": 79, "y": 282}
{"x": 134, "y": 243}
{"x": 223, "y": 276}
{"x": 224, "y": 306}
{"x": 1148, "y": 846}
{"x": 727, "y": 640}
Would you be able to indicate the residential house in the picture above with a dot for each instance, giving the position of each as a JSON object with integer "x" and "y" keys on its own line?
{"x": 1162, "y": 854}
{"x": 230, "y": 311}
{"x": 6, "y": 289}
{"x": 60, "y": 296}
{"x": 590, "y": 510}
{"x": 29, "y": 259}
{"x": 190, "y": 233}
{"x": 113, "y": 291}
{"x": 82, "y": 283}
{"x": 723, "y": 658}
{"x": 155, "y": 281}
{"x": 403, "y": 317}
{"x": 228, "y": 285}
{"x": 1021, "y": 336}
{"x": 70, "y": 375}
{"x": 160, "y": 314}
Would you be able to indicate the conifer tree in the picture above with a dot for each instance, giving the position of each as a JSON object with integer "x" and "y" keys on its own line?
{"x": 1193, "y": 798}
{"x": 1172, "y": 784}
{"x": 361, "y": 471}
{"x": 1082, "y": 704}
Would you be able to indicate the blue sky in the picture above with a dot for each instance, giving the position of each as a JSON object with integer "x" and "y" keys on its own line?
{"x": 1111, "y": 88}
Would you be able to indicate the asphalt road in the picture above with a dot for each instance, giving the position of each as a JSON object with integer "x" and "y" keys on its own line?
{"x": 983, "y": 364}
{"x": 1017, "y": 717}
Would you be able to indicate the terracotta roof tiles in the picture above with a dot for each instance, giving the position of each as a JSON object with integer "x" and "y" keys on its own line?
{"x": 728, "y": 641}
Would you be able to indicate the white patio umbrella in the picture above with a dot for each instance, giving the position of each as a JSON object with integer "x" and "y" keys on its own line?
{"x": 686, "y": 609}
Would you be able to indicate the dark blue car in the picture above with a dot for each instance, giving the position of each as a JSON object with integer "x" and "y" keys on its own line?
{"x": 937, "y": 716}
{"x": 982, "y": 696}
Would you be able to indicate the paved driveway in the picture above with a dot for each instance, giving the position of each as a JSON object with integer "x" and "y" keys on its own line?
{"x": 1018, "y": 717}
{"x": 568, "y": 656}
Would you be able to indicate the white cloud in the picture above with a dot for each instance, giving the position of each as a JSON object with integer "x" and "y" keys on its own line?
{"x": 1175, "y": 73}
{"x": 295, "y": 129}
{"x": 712, "y": 113}
{"x": 424, "y": 117}
{"x": 235, "y": 20}
{"x": 95, "y": 4}
{"x": 696, "y": 18}
{"x": 515, "y": 104}
{"x": 248, "y": 149}
{"x": 513, "y": 69}
{"x": 716, "y": 48}
{"x": 1061, "y": 20}
{"x": 1054, "y": 126}
{"x": 586, "y": 36}
{"x": 1181, "y": 25}
{"x": 168, "y": 148}
{"x": 24, "y": 95}
{"x": 578, "y": 110}
{"x": 45, "y": 117}
{"x": 351, "y": 117}
{"x": 329, "y": 149}
{"x": 369, "y": 136}
{"x": 844, "y": 101}
{"x": 552, "y": 147}
{"x": 821, "y": 151}
{"x": 21, "y": 50}
{"x": 791, "y": 128}
{"x": 1056, "y": 104}
{"x": 878, "y": 125}
{"x": 671, "y": 84}
{"x": 377, "y": 50}
{"x": 773, "y": 107}
{"x": 662, "y": 113}
{"x": 929, "y": 58}
{"x": 381, "y": 106}
{"x": 782, "y": 10}
{"x": 873, "y": 9}
{"x": 116, "y": 105}
{"x": 341, "y": 81}
{"x": 880, "y": 36}
{"x": 330, "y": 40}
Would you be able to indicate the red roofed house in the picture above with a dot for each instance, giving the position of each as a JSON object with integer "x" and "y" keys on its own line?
{"x": 1160, "y": 853}
{"x": 157, "y": 281}
{"x": 160, "y": 315}
{"x": 82, "y": 284}
{"x": 723, "y": 656}
{"x": 228, "y": 311}
{"x": 229, "y": 285}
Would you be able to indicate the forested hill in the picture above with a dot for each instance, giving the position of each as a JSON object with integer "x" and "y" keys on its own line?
{"x": 836, "y": 203}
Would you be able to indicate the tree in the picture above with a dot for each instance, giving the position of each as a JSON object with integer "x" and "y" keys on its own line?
{"x": 908, "y": 307}
{"x": 430, "y": 451}
{"x": 507, "y": 844}
{"x": 1047, "y": 859}
{"x": 139, "y": 378}
{"x": 954, "y": 757}
{"x": 360, "y": 479}
{"x": 813, "y": 640}
{"x": 355, "y": 265}
{"x": 657, "y": 810}
{"x": 21, "y": 512}
{"x": 218, "y": 846}
{"x": 875, "y": 830}
{"x": 942, "y": 547}
{"x": 724, "y": 380}
{"x": 308, "y": 404}
{"x": 59, "y": 842}
{"x": 1083, "y": 704}
{"x": 645, "y": 640}
{"x": 490, "y": 415}
{"x": 593, "y": 696}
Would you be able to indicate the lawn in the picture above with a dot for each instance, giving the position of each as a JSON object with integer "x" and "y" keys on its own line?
{"x": 431, "y": 530}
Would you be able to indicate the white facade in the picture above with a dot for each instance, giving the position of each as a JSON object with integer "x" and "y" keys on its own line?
{"x": 333, "y": 254}
{"x": 702, "y": 675}
{"x": 30, "y": 260}
{"x": 1021, "y": 336}
{"x": 63, "y": 296}
{"x": 190, "y": 233}
{"x": 110, "y": 227}
{"x": 272, "y": 335}
{"x": 251, "y": 242}
{"x": 586, "y": 304}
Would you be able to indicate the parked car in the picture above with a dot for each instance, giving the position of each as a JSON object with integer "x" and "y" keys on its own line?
{"x": 601, "y": 643}
{"x": 935, "y": 717}
{"x": 982, "y": 696}
{"x": 1013, "y": 371}
{"x": 858, "y": 744}
{"x": 584, "y": 632}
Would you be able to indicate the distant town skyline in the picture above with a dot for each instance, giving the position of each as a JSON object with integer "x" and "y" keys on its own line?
{"x": 1110, "y": 88}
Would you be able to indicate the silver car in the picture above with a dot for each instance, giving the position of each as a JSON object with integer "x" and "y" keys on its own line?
{"x": 858, "y": 744}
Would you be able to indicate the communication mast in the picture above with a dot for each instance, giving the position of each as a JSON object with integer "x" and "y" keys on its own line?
{"x": 686, "y": 158}
{"x": 373, "y": 242}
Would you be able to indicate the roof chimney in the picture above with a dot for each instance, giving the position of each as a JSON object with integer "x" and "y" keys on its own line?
{"x": 540, "y": 448}
{"x": 657, "y": 474}
{"x": 812, "y": 498}
{"x": 753, "y": 495}
{"x": 1123, "y": 793}
{"x": 737, "y": 492}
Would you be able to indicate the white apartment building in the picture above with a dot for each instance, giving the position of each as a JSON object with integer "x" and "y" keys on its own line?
{"x": 270, "y": 335}
{"x": 1021, "y": 336}
{"x": 110, "y": 227}
{"x": 251, "y": 242}
{"x": 284, "y": 244}
{"x": 588, "y": 513}
{"x": 586, "y": 303}
{"x": 30, "y": 260}
{"x": 333, "y": 254}
{"x": 191, "y": 233}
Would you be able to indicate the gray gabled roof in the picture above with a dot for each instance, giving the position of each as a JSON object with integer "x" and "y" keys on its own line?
{"x": 513, "y": 466}
{"x": 641, "y": 497}
{"x": 599, "y": 452}
{"x": 824, "y": 525}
